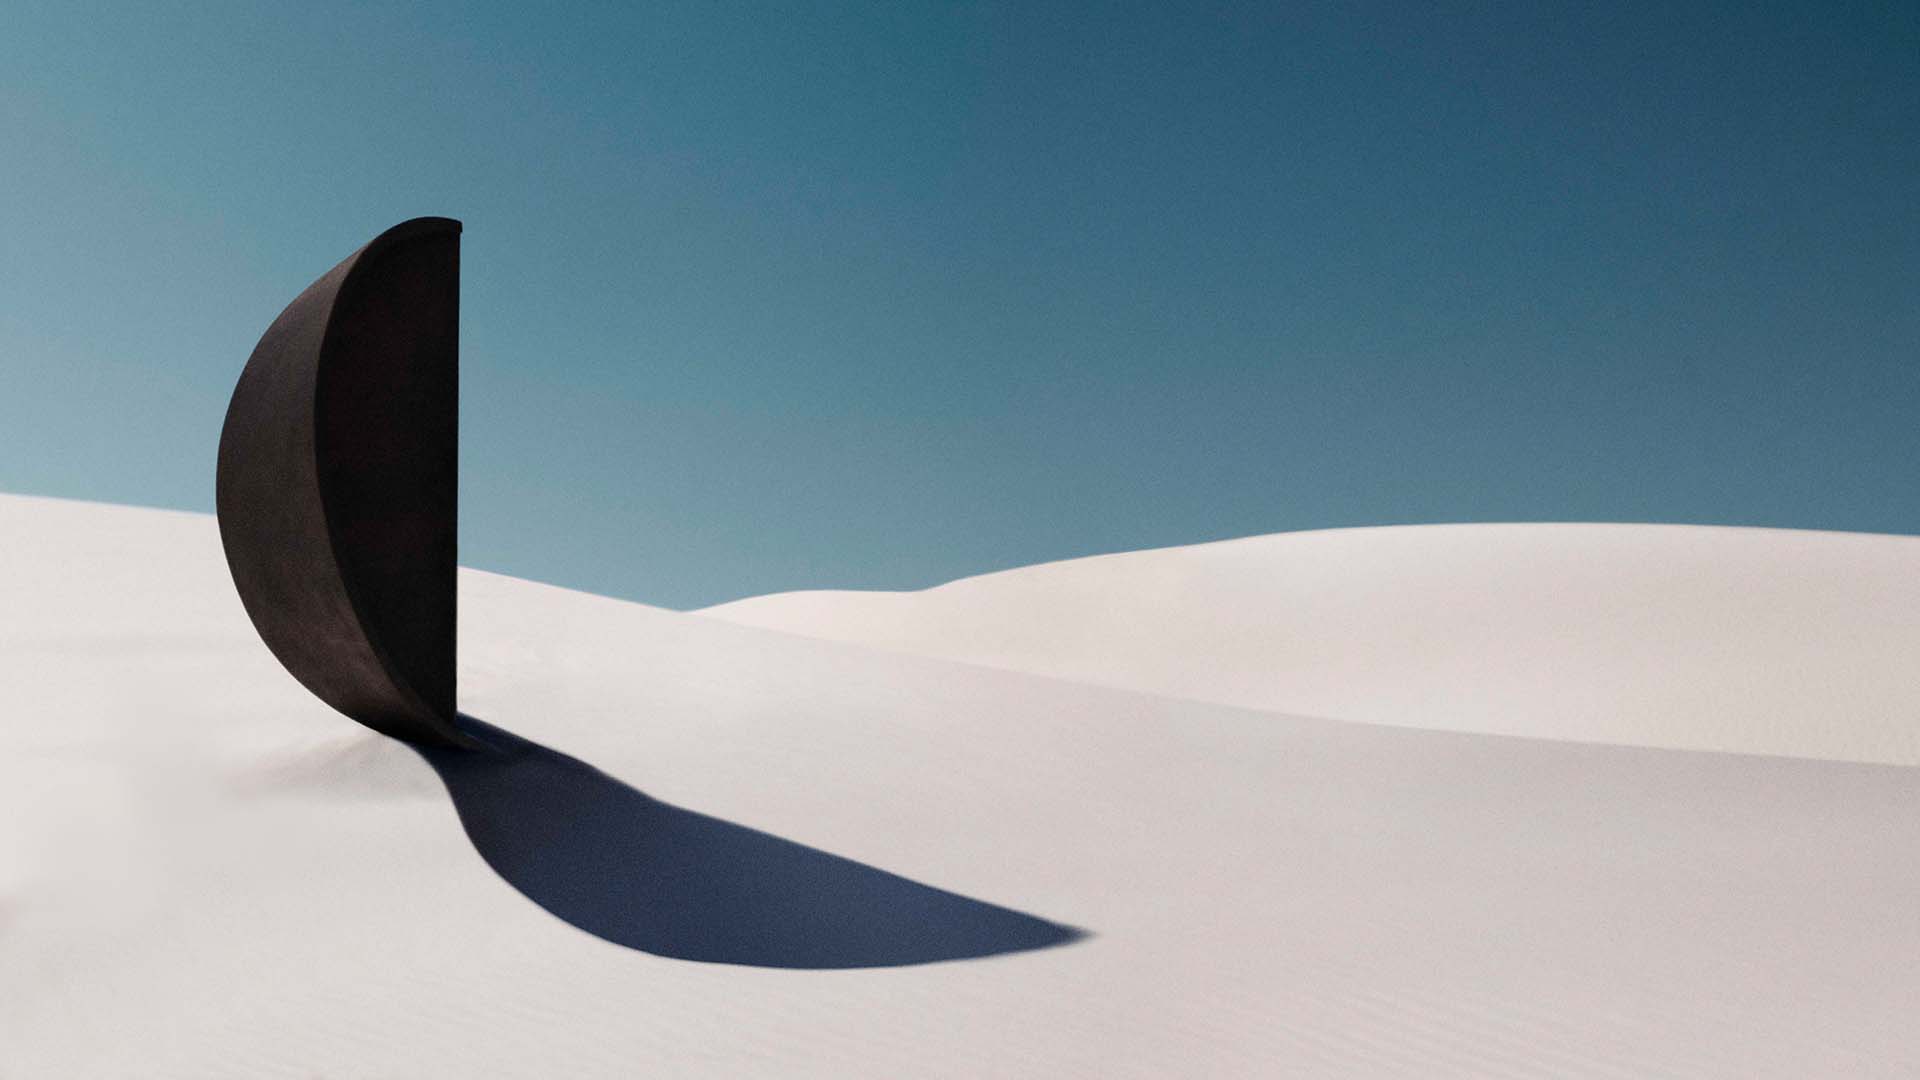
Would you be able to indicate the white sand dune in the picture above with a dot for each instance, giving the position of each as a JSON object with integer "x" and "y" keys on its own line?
{"x": 1766, "y": 641}
{"x": 206, "y": 873}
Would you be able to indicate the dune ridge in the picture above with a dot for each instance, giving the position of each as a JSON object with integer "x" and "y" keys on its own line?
{"x": 1765, "y": 641}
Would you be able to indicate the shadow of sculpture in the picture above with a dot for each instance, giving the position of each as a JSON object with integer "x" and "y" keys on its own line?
{"x": 639, "y": 872}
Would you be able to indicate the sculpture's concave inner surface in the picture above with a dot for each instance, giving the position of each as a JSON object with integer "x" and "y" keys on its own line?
{"x": 387, "y": 443}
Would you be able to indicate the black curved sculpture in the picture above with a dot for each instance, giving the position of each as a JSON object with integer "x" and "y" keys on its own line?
{"x": 336, "y": 483}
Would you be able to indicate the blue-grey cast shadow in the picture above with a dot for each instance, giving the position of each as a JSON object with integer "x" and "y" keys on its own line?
{"x": 642, "y": 873}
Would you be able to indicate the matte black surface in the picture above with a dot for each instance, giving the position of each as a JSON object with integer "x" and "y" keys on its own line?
{"x": 337, "y": 483}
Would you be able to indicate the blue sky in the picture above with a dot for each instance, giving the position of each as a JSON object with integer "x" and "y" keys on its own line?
{"x": 765, "y": 297}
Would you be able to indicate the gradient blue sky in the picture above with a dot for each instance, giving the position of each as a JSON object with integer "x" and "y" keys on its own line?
{"x": 765, "y": 297}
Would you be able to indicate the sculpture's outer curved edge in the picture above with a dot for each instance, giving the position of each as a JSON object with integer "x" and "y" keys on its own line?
{"x": 336, "y": 485}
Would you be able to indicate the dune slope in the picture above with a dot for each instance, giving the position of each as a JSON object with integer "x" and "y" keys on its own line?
{"x": 206, "y": 873}
{"x": 1767, "y": 641}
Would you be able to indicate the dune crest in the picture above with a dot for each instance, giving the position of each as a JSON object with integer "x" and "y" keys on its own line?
{"x": 1763, "y": 641}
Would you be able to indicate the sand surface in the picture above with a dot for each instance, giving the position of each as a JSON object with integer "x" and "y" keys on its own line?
{"x": 1763, "y": 641}
{"x": 206, "y": 873}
